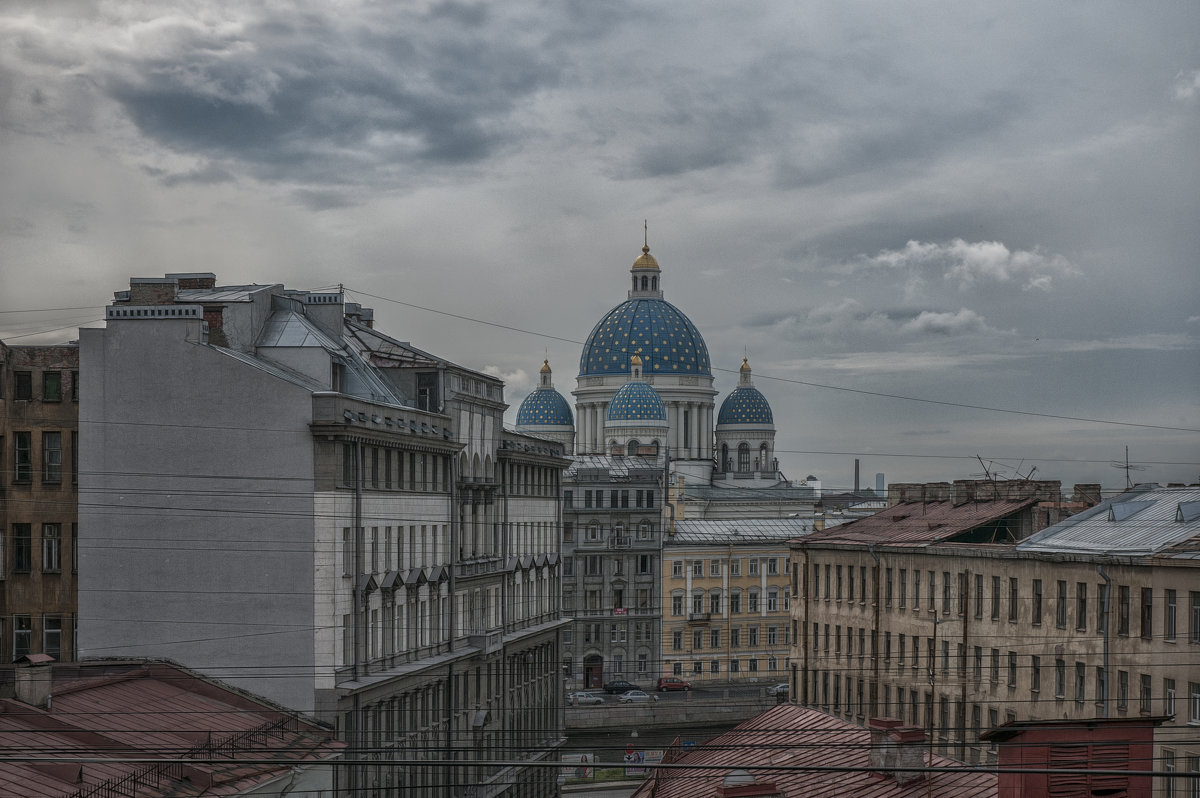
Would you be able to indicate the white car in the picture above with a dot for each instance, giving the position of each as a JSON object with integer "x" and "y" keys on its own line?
{"x": 633, "y": 697}
{"x": 584, "y": 699}
{"x": 779, "y": 689}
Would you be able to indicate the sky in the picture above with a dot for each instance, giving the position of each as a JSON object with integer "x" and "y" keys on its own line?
{"x": 940, "y": 231}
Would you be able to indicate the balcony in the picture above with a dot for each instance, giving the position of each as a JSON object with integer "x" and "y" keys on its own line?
{"x": 699, "y": 617}
{"x": 620, "y": 542}
{"x": 486, "y": 642}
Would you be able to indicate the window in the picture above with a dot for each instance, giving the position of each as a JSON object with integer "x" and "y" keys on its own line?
{"x": 22, "y": 635}
{"x": 677, "y": 568}
{"x": 1060, "y": 606}
{"x": 773, "y": 570}
{"x": 677, "y": 641}
{"x": 735, "y": 566}
{"x": 772, "y": 635}
{"x": 1147, "y": 702}
{"x": 753, "y": 638}
{"x": 1080, "y": 682}
{"x": 978, "y": 595}
{"x": 697, "y": 639}
{"x": 887, "y": 601}
{"x": 51, "y": 386}
{"x": 1123, "y": 610}
{"x": 773, "y": 600}
{"x": 1122, "y": 690}
{"x": 903, "y": 595}
{"x": 1193, "y": 703}
{"x": 1060, "y": 678}
{"x": 1168, "y": 696}
{"x": 995, "y": 664}
{"x": 995, "y": 598}
{"x": 1081, "y": 606}
{"x": 754, "y": 572}
{"x": 1102, "y": 598}
{"x": 593, "y": 531}
{"x": 1101, "y": 685}
{"x": 698, "y": 603}
{"x": 22, "y": 456}
{"x": 1012, "y": 669}
{"x": 1012, "y": 599}
{"x": 1194, "y": 635}
{"x": 753, "y": 602}
{"x": 714, "y": 603}
{"x": 568, "y": 566}
{"x": 1170, "y": 618}
{"x": 1036, "y": 620}
{"x": 645, "y": 564}
{"x": 52, "y": 635}
{"x": 52, "y": 457}
{"x": 714, "y": 638}
{"x": 1168, "y": 765}
{"x": 587, "y": 499}
{"x": 714, "y": 568}
{"x": 592, "y": 565}
{"x": 945, "y": 593}
{"x": 1147, "y": 613}
{"x": 735, "y": 637}
{"x": 23, "y": 385}
{"x": 697, "y": 567}
{"x": 677, "y": 604}
{"x": 22, "y": 548}
{"x": 51, "y": 548}
{"x": 614, "y": 500}
{"x": 978, "y": 663}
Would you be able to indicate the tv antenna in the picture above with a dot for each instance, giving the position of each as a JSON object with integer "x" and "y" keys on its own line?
{"x": 1126, "y": 467}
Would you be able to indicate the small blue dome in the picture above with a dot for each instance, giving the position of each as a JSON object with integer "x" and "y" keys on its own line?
{"x": 745, "y": 405}
{"x": 545, "y": 406}
{"x": 667, "y": 339}
{"x": 636, "y": 401}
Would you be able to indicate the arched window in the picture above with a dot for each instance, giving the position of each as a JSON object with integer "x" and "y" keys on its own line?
{"x": 762, "y": 456}
{"x": 645, "y": 283}
{"x": 725, "y": 463}
{"x": 698, "y": 602}
{"x": 744, "y": 457}
{"x": 714, "y": 602}
{"x": 633, "y": 445}
{"x": 654, "y": 283}
{"x": 635, "y": 282}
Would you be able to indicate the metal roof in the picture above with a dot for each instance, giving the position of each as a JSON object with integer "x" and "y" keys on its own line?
{"x": 769, "y": 493}
{"x": 791, "y": 740}
{"x": 1146, "y": 520}
{"x": 912, "y": 523}
{"x": 617, "y": 467}
{"x": 741, "y": 530}
{"x": 221, "y": 293}
{"x": 148, "y": 711}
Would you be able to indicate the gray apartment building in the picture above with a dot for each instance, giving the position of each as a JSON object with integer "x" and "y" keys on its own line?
{"x": 286, "y": 499}
{"x": 612, "y": 555}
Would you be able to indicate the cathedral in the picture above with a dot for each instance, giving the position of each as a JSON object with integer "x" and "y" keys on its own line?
{"x": 645, "y": 386}
{"x": 661, "y": 477}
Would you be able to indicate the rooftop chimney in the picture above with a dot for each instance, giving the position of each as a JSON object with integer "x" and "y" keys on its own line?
{"x": 894, "y": 745}
{"x": 33, "y": 679}
{"x": 152, "y": 290}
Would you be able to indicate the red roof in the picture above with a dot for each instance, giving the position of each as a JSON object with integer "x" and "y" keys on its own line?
{"x": 912, "y": 523}
{"x": 777, "y": 748}
{"x": 151, "y": 711}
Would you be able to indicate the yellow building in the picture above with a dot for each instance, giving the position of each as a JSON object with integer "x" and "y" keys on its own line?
{"x": 726, "y": 600}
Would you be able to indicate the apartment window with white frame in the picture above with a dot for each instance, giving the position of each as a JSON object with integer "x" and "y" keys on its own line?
{"x": 697, "y": 567}
{"x": 714, "y": 567}
{"x": 677, "y": 568}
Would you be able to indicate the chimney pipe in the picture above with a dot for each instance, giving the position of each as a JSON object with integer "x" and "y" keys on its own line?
{"x": 895, "y": 745}
{"x": 856, "y": 475}
{"x": 33, "y": 680}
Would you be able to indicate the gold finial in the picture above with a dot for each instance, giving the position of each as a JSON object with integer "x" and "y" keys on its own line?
{"x": 546, "y": 366}
{"x": 745, "y": 364}
{"x": 637, "y": 358}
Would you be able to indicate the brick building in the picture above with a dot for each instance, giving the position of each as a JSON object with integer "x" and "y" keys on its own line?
{"x": 39, "y": 411}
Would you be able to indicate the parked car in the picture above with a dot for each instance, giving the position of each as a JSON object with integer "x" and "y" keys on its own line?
{"x": 673, "y": 683}
{"x": 633, "y": 697}
{"x": 620, "y": 686}
{"x": 779, "y": 689}
{"x": 584, "y": 699}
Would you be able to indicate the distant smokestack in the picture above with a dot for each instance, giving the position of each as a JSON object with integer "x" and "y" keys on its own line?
{"x": 856, "y": 475}
{"x": 880, "y": 484}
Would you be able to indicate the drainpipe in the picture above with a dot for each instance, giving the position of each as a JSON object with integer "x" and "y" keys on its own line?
{"x": 1107, "y": 622}
{"x": 359, "y": 638}
{"x": 875, "y": 648}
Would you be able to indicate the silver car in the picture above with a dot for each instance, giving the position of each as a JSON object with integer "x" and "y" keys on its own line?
{"x": 633, "y": 697}
{"x": 584, "y": 699}
{"x": 779, "y": 689}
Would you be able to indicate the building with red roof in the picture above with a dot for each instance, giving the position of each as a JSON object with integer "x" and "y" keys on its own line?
{"x": 794, "y": 752}
{"x": 153, "y": 729}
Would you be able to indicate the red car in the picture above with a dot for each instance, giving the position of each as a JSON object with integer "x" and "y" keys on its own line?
{"x": 672, "y": 683}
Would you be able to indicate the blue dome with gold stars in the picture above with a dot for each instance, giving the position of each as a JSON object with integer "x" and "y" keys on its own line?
{"x": 544, "y": 406}
{"x": 745, "y": 405}
{"x": 636, "y": 401}
{"x": 667, "y": 339}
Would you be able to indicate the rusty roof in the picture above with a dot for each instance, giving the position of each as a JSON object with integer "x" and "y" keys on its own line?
{"x": 151, "y": 711}
{"x": 916, "y": 523}
{"x": 781, "y": 746}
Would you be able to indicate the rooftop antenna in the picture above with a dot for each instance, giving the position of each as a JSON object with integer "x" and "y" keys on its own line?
{"x": 1126, "y": 467}
{"x": 987, "y": 474}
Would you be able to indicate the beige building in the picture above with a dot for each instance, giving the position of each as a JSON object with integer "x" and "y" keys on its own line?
{"x": 726, "y": 600}
{"x": 963, "y": 609}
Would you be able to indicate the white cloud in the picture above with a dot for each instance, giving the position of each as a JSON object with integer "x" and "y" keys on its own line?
{"x": 967, "y": 263}
{"x": 1187, "y": 85}
{"x": 964, "y": 321}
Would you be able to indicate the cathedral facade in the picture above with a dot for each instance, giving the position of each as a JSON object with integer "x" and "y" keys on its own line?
{"x": 652, "y": 447}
